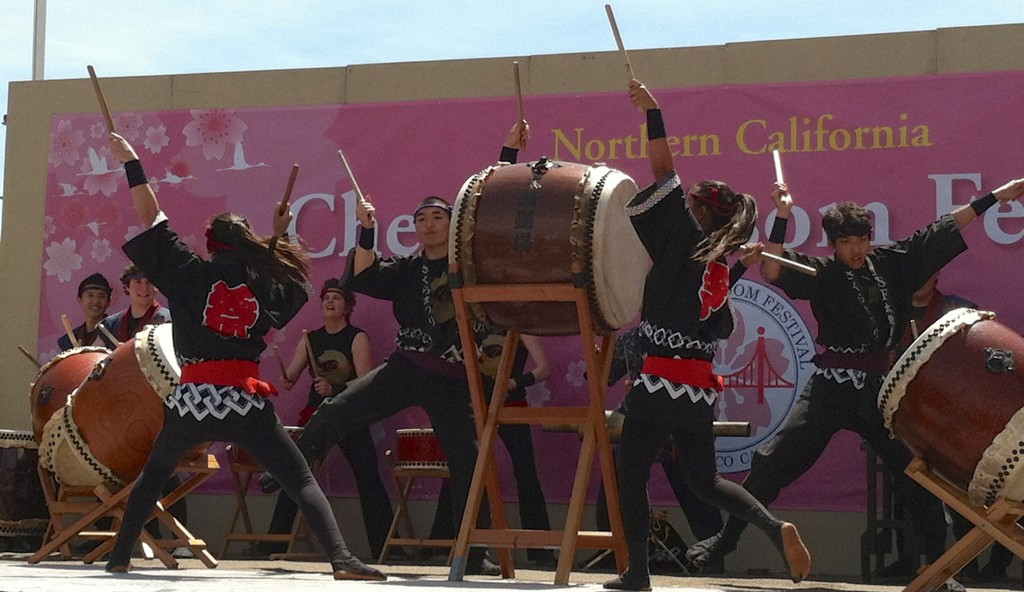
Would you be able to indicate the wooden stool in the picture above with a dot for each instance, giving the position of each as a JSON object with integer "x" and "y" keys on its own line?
{"x": 419, "y": 456}
{"x": 94, "y": 503}
{"x": 996, "y": 523}
{"x": 244, "y": 469}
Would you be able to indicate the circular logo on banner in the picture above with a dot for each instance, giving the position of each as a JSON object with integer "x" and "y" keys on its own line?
{"x": 764, "y": 364}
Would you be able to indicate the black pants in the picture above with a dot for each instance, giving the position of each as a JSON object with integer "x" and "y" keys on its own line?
{"x": 703, "y": 518}
{"x": 396, "y": 385}
{"x": 261, "y": 434}
{"x": 824, "y": 408}
{"x": 533, "y": 510}
{"x": 361, "y": 454}
{"x": 639, "y": 447}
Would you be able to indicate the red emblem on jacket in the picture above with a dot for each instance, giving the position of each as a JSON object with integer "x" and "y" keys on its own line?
{"x": 714, "y": 289}
{"x": 231, "y": 312}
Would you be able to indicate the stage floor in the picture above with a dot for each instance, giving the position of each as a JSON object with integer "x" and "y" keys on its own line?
{"x": 258, "y": 576}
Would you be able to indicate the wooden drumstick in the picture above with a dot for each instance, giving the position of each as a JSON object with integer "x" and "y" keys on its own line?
{"x": 519, "y": 90}
{"x": 283, "y": 207}
{"x": 913, "y": 329}
{"x": 30, "y": 357}
{"x": 777, "y": 159}
{"x": 106, "y": 332}
{"x": 280, "y": 363}
{"x": 618, "y": 40}
{"x": 99, "y": 97}
{"x": 309, "y": 353}
{"x": 791, "y": 264}
{"x": 70, "y": 331}
{"x": 352, "y": 178}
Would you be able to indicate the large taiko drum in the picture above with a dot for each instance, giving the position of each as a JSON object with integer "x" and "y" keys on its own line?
{"x": 55, "y": 381}
{"x": 105, "y": 431}
{"x": 23, "y": 516}
{"x": 956, "y": 399}
{"x": 418, "y": 448}
{"x": 538, "y": 223}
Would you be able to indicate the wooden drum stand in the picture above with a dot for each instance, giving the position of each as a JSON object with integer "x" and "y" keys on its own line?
{"x": 590, "y": 419}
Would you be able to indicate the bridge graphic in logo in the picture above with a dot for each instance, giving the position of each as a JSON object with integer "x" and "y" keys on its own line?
{"x": 765, "y": 364}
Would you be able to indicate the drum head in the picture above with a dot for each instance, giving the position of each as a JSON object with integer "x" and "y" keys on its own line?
{"x": 154, "y": 348}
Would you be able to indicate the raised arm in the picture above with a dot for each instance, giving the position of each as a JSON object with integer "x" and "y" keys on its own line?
{"x": 1008, "y": 192}
{"x": 364, "y": 255}
{"x": 659, "y": 152}
{"x": 770, "y": 269}
{"x": 296, "y": 366}
{"x": 142, "y": 194}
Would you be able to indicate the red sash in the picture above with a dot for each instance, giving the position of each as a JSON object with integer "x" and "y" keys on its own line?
{"x": 698, "y": 373}
{"x": 240, "y": 373}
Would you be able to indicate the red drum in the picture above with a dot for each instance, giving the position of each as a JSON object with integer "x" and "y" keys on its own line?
{"x": 23, "y": 512}
{"x": 106, "y": 430}
{"x": 537, "y": 223}
{"x": 419, "y": 448}
{"x": 55, "y": 381}
{"x": 956, "y": 399}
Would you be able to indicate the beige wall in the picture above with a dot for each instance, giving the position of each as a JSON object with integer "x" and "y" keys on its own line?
{"x": 33, "y": 103}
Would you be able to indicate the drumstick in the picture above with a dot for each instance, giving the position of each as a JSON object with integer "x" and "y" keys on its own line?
{"x": 913, "y": 329}
{"x": 309, "y": 353}
{"x": 618, "y": 40}
{"x": 99, "y": 97}
{"x": 280, "y": 363}
{"x": 778, "y": 166}
{"x": 71, "y": 332}
{"x": 790, "y": 264}
{"x": 519, "y": 90}
{"x": 352, "y": 178}
{"x": 283, "y": 207}
{"x": 106, "y": 332}
{"x": 30, "y": 357}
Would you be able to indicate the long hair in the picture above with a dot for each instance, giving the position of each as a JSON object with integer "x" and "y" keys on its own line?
{"x": 287, "y": 262}
{"x": 733, "y": 216}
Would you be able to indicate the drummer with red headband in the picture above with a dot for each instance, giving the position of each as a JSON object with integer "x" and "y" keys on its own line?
{"x": 223, "y": 308}
{"x": 862, "y": 300}
{"x": 686, "y": 312}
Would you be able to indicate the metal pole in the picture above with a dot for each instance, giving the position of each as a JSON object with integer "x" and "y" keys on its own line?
{"x": 39, "y": 41}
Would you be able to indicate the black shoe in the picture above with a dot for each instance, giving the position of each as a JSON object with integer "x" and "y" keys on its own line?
{"x": 710, "y": 550}
{"x": 627, "y": 581}
{"x": 119, "y": 568}
{"x": 354, "y": 569}
{"x": 268, "y": 484}
{"x": 484, "y": 567}
{"x": 543, "y": 558}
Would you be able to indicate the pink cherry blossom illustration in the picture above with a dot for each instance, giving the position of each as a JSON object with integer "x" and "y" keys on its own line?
{"x": 64, "y": 144}
{"x": 62, "y": 260}
{"x": 156, "y": 139}
{"x": 214, "y": 130}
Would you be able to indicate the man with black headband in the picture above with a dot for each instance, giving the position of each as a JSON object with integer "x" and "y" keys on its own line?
{"x": 142, "y": 310}
{"x": 93, "y": 298}
{"x": 426, "y": 369}
{"x": 862, "y": 301}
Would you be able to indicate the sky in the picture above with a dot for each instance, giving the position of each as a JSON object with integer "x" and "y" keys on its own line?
{"x": 156, "y": 37}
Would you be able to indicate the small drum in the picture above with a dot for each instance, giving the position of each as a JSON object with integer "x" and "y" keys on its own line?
{"x": 106, "y": 430}
{"x": 956, "y": 399}
{"x": 550, "y": 223}
{"x": 22, "y": 505}
{"x": 419, "y": 448}
{"x": 55, "y": 381}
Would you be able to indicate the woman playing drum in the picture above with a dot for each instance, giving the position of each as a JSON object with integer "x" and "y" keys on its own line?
{"x": 222, "y": 309}
{"x": 686, "y": 312}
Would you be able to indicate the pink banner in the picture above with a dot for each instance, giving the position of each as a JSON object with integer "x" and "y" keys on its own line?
{"x": 911, "y": 149}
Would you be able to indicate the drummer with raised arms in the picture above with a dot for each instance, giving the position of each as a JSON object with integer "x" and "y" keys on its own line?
{"x": 688, "y": 233}
{"x": 222, "y": 309}
{"x": 862, "y": 300}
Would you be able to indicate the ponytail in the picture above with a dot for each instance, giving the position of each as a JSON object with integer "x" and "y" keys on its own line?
{"x": 264, "y": 256}
{"x": 733, "y": 216}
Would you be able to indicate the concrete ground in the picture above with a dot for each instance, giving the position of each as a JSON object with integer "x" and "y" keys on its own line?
{"x": 54, "y": 575}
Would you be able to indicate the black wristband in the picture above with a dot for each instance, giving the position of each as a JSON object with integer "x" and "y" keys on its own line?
{"x": 983, "y": 203}
{"x": 778, "y": 234}
{"x": 509, "y": 155}
{"x": 525, "y": 380}
{"x": 655, "y": 124}
{"x": 367, "y": 237}
{"x": 136, "y": 176}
